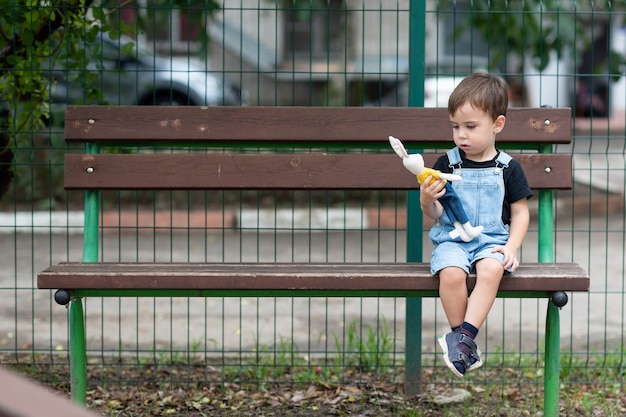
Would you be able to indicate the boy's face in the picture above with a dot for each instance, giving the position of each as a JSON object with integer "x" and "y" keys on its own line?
{"x": 474, "y": 131}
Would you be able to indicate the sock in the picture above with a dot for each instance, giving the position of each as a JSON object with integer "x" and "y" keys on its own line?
{"x": 470, "y": 331}
{"x": 455, "y": 328}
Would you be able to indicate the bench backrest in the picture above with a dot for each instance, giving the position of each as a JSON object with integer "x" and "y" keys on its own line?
{"x": 329, "y": 131}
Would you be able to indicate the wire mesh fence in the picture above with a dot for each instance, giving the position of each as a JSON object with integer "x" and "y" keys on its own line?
{"x": 309, "y": 53}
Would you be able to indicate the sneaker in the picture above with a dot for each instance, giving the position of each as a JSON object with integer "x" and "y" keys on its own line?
{"x": 474, "y": 360}
{"x": 454, "y": 358}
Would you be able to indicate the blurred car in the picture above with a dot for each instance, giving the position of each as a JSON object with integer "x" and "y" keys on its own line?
{"x": 440, "y": 79}
{"x": 442, "y": 76}
{"x": 141, "y": 78}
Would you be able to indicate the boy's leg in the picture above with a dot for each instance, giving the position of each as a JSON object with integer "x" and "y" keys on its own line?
{"x": 460, "y": 351}
{"x": 453, "y": 294}
{"x": 451, "y": 262}
{"x": 489, "y": 272}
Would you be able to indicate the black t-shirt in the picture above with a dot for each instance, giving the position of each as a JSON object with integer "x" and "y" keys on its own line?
{"x": 515, "y": 182}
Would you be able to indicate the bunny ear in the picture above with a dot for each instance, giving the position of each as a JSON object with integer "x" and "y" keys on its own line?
{"x": 398, "y": 147}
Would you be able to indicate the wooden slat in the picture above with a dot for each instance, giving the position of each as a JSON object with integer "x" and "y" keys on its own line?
{"x": 270, "y": 171}
{"x": 324, "y": 125}
{"x": 292, "y": 276}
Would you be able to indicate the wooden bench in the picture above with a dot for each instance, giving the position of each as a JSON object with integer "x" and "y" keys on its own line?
{"x": 534, "y": 131}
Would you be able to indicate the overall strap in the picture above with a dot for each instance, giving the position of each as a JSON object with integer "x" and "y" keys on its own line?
{"x": 454, "y": 157}
{"x": 503, "y": 159}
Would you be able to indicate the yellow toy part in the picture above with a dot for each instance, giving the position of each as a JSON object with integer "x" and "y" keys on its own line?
{"x": 426, "y": 172}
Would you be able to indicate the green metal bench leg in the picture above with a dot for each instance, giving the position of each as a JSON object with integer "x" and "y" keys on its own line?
{"x": 553, "y": 365}
{"x": 78, "y": 360}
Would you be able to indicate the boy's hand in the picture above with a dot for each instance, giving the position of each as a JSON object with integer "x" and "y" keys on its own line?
{"x": 510, "y": 262}
{"x": 431, "y": 190}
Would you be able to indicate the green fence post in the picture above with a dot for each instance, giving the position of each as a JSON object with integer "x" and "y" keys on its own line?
{"x": 545, "y": 220}
{"x": 417, "y": 44}
{"x": 553, "y": 324}
{"x": 78, "y": 348}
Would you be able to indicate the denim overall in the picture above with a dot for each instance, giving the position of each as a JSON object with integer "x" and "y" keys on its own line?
{"x": 482, "y": 194}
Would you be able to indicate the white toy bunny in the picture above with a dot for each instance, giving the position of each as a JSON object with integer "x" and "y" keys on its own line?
{"x": 451, "y": 205}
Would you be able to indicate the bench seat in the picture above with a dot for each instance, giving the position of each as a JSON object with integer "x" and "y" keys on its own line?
{"x": 390, "y": 279}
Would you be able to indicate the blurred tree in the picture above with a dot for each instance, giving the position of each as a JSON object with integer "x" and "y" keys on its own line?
{"x": 35, "y": 35}
{"x": 537, "y": 29}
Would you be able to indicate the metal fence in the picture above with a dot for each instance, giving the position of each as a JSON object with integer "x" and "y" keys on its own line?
{"x": 319, "y": 53}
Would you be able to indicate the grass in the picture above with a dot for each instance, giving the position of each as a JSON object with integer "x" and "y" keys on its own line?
{"x": 362, "y": 377}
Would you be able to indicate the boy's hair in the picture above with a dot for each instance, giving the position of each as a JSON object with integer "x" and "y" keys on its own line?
{"x": 483, "y": 91}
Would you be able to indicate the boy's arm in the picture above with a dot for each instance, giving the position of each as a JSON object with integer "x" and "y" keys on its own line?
{"x": 520, "y": 219}
{"x": 430, "y": 192}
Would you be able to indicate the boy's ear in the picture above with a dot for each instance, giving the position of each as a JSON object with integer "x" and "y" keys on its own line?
{"x": 498, "y": 124}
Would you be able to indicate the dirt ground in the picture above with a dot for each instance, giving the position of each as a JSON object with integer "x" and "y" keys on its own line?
{"x": 119, "y": 389}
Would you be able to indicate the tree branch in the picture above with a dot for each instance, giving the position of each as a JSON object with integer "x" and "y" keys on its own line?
{"x": 50, "y": 26}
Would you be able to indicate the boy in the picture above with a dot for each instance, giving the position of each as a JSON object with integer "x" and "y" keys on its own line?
{"x": 494, "y": 193}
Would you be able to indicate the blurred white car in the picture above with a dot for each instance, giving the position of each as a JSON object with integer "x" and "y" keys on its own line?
{"x": 442, "y": 76}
